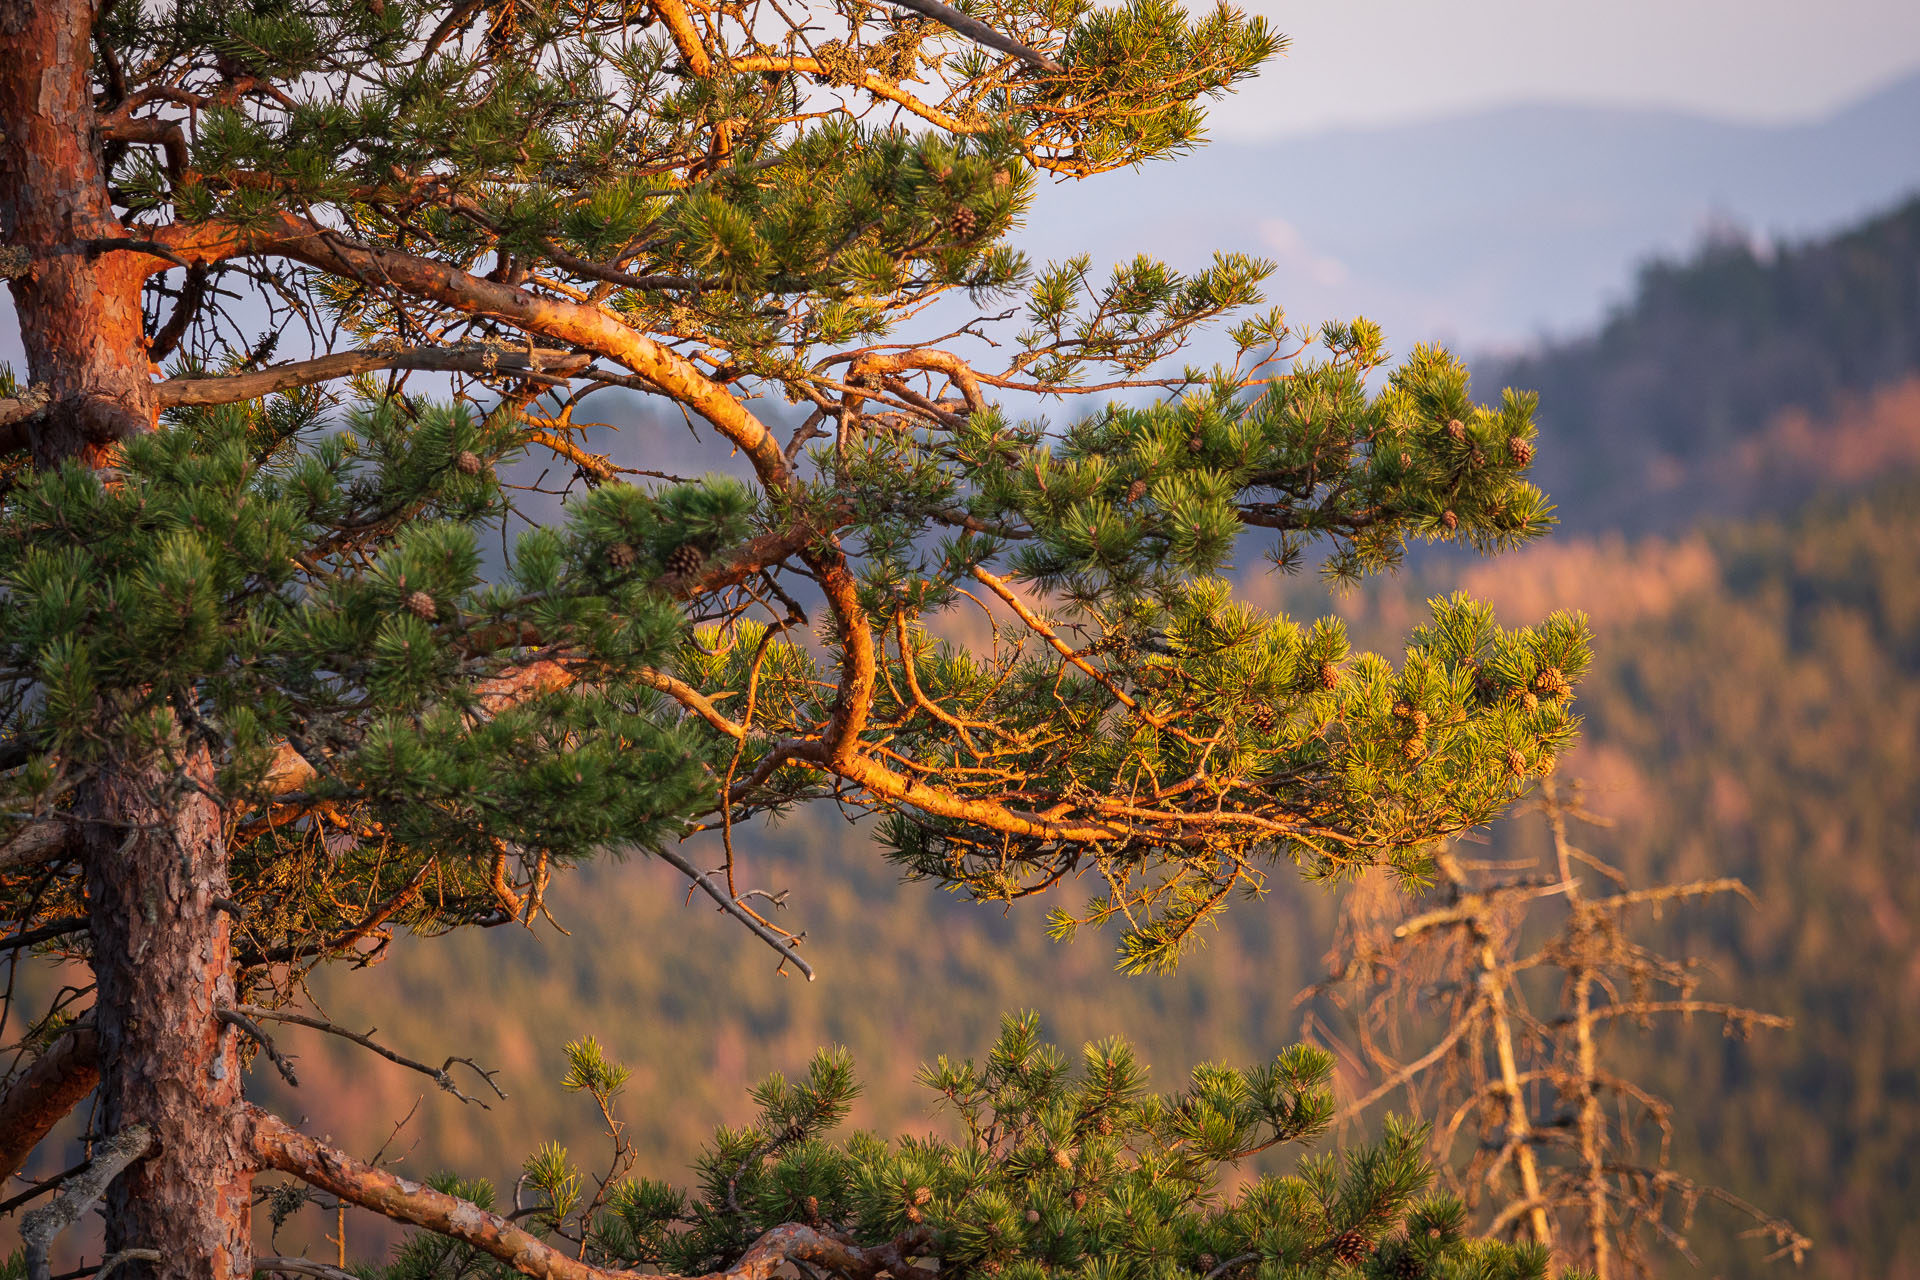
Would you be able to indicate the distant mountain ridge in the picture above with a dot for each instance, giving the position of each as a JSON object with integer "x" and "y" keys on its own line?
{"x": 1490, "y": 229}
{"x": 1683, "y": 405}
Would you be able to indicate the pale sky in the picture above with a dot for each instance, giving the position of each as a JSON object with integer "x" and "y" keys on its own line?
{"x": 1362, "y": 62}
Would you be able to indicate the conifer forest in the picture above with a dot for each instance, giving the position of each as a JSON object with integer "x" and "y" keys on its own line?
{"x": 601, "y": 676}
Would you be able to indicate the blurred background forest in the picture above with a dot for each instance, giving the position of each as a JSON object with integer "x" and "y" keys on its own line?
{"x": 1734, "y": 446}
{"x": 1736, "y": 455}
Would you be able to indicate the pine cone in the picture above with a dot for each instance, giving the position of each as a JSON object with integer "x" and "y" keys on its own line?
{"x": 1520, "y": 450}
{"x": 1418, "y": 720}
{"x": 1552, "y": 683}
{"x": 1456, "y": 430}
{"x": 467, "y": 464}
{"x": 1195, "y": 444}
{"x": 1262, "y": 717}
{"x": 1530, "y": 700}
{"x": 1064, "y": 1159}
{"x": 1414, "y": 748}
{"x": 1033, "y": 1217}
{"x": 1450, "y": 520}
{"x": 1136, "y": 491}
{"x": 1516, "y": 763}
{"x": 1407, "y": 1267}
{"x": 1351, "y": 1247}
{"x": 621, "y": 555}
{"x": 686, "y": 558}
{"x": 1329, "y": 676}
{"x": 965, "y": 222}
{"x": 421, "y": 606}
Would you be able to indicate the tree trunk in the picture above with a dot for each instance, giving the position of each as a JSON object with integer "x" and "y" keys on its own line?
{"x": 156, "y": 861}
{"x": 154, "y": 846}
{"x": 79, "y": 308}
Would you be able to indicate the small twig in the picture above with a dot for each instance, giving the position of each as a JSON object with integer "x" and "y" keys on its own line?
{"x": 110, "y": 1158}
{"x": 440, "y": 1075}
{"x": 41, "y": 1188}
{"x": 252, "y": 1031}
{"x": 1237, "y": 1260}
{"x": 45, "y": 933}
{"x": 300, "y": 1267}
{"x": 112, "y": 1261}
{"x": 734, "y": 909}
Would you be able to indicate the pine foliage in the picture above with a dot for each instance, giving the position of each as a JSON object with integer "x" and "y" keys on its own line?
{"x": 1056, "y": 1171}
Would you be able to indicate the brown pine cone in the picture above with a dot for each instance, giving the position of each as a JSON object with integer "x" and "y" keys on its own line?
{"x": 1552, "y": 683}
{"x": 686, "y": 558}
{"x": 467, "y": 464}
{"x": 1262, "y": 717}
{"x": 1136, "y": 491}
{"x": 1406, "y": 1267}
{"x": 621, "y": 555}
{"x": 1516, "y": 763}
{"x": 1351, "y": 1247}
{"x": 421, "y": 606}
{"x": 1456, "y": 430}
{"x": 965, "y": 222}
{"x": 1450, "y": 520}
{"x": 1530, "y": 700}
{"x": 1329, "y": 676}
{"x": 1414, "y": 748}
{"x": 1520, "y": 450}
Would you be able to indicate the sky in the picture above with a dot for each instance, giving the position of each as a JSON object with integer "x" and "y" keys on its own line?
{"x": 1367, "y": 62}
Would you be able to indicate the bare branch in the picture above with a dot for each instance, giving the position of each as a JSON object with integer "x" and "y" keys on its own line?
{"x": 441, "y": 1075}
{"x": 734, "y": 909}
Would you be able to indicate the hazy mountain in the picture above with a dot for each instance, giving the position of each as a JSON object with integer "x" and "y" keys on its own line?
{"x": 1488, "y": 229}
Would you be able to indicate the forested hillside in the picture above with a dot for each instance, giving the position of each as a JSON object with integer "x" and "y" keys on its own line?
{"x": 1668, "y": 410}
{"x": 1755, "y": 711}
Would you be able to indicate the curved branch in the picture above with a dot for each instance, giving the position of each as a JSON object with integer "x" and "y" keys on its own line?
{"x": 278, "y": 1145}
{"x": 578, "y": 324}
{"x": 45, "y": 1092}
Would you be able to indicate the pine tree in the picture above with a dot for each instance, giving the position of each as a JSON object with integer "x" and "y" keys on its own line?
{"x": 263, "y": 705}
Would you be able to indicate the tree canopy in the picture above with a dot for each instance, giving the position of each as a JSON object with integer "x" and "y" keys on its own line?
{"x": 300, "y": 281}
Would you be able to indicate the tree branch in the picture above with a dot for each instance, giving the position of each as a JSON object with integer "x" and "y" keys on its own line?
{"x": 278, "y": 1145}
{"x": 442, "y": 1075}
{"x": 37, "y": 842}
{"x": 979, "y": 32}
{"x": 110, "y": 1158}
{"x": 42, "y": 1095}
{"x": 233, "y": 388}
{"x": 734, "y": 909}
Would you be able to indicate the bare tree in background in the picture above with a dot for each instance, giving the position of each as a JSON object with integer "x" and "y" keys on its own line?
{"x": 1489, "y": 1009}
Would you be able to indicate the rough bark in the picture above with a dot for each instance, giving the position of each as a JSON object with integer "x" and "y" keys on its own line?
{"x": 153, "y": 844}
{"x": 79, "y": 308}
{"x": 163, "y": 962}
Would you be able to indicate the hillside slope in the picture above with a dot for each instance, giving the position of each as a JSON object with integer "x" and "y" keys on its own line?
{"x": 1673, "y": 410}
